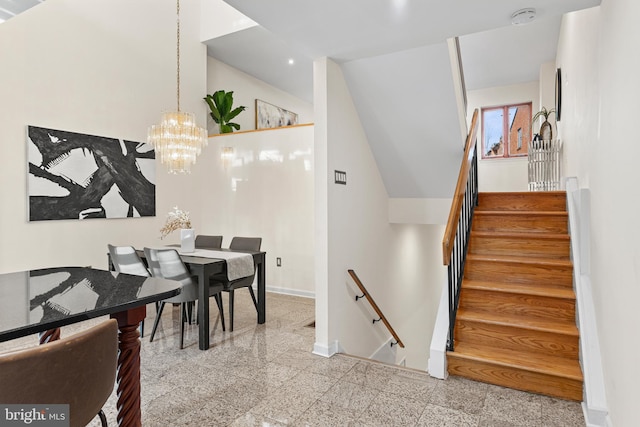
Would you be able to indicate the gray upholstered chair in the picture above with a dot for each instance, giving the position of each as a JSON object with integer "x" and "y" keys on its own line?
{"x": 208, "y": 242}
{"x": 166, "y": 263}
{"x": 238, "y": 243}
{"x": 79, "y": 370}
{"x": 126, "y": 260}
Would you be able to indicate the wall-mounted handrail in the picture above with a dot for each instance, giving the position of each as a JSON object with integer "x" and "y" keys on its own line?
{"x": 365, "y": 294}
{"x": 456, "y": 235}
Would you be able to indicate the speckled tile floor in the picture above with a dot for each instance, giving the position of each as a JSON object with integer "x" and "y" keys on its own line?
{"x": 265, "y": 375}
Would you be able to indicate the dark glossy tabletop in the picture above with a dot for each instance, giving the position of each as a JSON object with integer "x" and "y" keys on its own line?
{"x": 36, "y": 300}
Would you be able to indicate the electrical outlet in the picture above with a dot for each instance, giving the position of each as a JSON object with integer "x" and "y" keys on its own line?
{"x": 278, "y": 262}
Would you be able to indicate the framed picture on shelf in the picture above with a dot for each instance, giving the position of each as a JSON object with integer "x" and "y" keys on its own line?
{"x": 270, "y": 116}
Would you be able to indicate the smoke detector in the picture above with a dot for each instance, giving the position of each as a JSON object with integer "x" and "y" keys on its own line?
{"x": 523, "y": 16}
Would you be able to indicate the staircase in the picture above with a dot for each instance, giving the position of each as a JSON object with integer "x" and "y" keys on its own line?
{"x": 516, "y": 324}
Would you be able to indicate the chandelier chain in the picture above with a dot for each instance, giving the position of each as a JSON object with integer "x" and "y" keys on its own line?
{"x": 177, "y": 140}
{"x": 178, "y": 54}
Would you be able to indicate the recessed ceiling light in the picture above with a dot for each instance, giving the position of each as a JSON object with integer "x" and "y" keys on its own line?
{"x": 523, "y": 16}
{"x": 291, "y": 61}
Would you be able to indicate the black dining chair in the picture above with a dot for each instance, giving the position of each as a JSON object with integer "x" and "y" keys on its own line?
{"x": 241, "y": 244}
{"x": 126, "y": 260}
{"x": 212, "y": 242}
{"x": 167, "y": 264}
{"x": 79, "y": 371}
{"x": 208, "y": 242}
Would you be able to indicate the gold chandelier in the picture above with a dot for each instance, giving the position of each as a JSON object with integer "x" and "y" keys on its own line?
{"x": 177, "y": 139}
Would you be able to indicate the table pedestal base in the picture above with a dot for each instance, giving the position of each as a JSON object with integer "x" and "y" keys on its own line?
{"x": 128, "y": 378}
{"x": 49, "y": 335}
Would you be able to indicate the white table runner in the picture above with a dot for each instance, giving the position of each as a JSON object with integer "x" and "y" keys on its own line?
{"x": 239, "y": 265}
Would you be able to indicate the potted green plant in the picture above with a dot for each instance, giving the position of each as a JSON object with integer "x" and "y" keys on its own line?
{"x": 546, "y": 131}
{"x": 221, "y": 104}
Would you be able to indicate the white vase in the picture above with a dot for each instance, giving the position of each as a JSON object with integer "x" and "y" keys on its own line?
{"x": 187, "y": 240}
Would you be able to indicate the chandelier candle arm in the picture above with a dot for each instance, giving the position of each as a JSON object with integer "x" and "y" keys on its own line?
{"x": 178, "y": 140}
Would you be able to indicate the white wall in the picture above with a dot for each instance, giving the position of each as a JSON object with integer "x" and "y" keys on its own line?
{"x": 105, "y": 67}
{"x": 357, "y": 232}
{"x": 275, "y": 199}
{"x": 547, "y": 94}
{"x": 419, "y": 211}
{"x": 417, "y": 279}
{"x": 599, "y": 120}
{"x": 246, "y": 89}
{"x": 399, "y": 264}
{"x": 578, "y": 126}
{"x": 502, "y": 174}
{"x": 265, "y": 190}
{"x": 325, "y": 344}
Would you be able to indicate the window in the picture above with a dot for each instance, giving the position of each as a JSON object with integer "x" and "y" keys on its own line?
{"x": 506, "y": 130}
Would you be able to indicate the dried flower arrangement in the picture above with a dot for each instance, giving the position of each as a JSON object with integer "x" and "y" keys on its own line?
{"x": 176, "y": 220}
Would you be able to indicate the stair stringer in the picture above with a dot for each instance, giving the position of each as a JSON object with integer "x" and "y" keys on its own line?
{"x": 437, "y": 364}
{"x": 594, "y": 404}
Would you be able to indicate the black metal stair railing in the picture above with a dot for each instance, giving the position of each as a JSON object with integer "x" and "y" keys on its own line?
{"x": 456, "y": 237}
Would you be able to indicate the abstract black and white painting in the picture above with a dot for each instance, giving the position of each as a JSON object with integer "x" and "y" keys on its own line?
{"x": 77, "y": 176}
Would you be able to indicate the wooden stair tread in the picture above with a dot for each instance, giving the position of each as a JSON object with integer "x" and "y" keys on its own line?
{"x": 479, "y": 210}
{"x": 520, "y": 260}
{"x": 524, "y": 201}
{"x": 543, "y": 364}
{"x": 522, "y": 235}
{"x": 525, "y": 193}
{"x": 532, "y": 323}
{"x": 506, "y": 287}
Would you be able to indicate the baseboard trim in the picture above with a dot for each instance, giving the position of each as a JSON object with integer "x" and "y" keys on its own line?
{"x": 594, "y": 405}
{"x": 385, "y": 353}
{"x": 293, "y": 292}
{"x": 595, "y": 418}
{"x": 326, "y": 350}
{"x": 437, "y": 363}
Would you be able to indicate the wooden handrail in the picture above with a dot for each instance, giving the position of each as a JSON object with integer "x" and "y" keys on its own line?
{"x": 355, "y": 278}
{"x": 458, "y": 196}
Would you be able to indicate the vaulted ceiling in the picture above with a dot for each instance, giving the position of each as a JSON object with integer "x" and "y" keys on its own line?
{"x": 394, "y": 58}
{"x": 356, "y": 29}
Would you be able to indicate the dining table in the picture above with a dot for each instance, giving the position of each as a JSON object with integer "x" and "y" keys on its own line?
{"x": 43, "y": 300}
{"x": 203, "y": 265}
